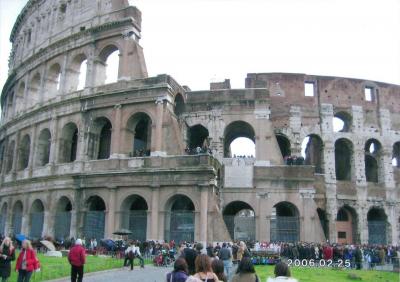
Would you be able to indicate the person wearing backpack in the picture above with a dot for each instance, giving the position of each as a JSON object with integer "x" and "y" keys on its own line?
{"x": 27, "y": 262}
{"x": 245, "y": 272}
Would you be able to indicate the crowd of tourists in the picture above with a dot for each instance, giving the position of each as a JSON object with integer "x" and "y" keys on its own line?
{"x": 293, "y": 160}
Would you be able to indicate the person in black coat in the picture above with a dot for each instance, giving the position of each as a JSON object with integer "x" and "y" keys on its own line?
{"x": 7, "y": 255}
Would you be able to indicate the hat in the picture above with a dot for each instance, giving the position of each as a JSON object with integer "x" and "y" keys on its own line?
{"x": 78, "y": 242}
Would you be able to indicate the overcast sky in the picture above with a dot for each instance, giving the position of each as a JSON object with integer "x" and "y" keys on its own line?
{"x": 198, "y": 41}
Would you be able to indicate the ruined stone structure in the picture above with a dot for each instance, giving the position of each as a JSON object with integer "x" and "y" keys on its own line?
{"x": 87, "y": 158}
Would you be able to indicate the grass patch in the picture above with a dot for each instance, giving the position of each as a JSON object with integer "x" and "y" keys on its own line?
{"x": 53, "y": 268}
{"x": 330, "y": 274}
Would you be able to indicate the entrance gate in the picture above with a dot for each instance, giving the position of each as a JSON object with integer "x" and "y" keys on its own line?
{"x": 181, "y": 226}
{"x": 94, "y": 225}
{"x": 62, "y": 225}
{"x": 285, "y": 228}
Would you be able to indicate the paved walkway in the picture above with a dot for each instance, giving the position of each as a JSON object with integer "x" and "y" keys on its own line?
{"x": 148, "y": 274}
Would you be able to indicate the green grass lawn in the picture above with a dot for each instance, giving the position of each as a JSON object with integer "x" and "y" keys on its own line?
{"x": 330, "y": 274}
{"x": 52, "y": 268}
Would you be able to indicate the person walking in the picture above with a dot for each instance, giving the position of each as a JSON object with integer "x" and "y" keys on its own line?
{"x": 27, "y": 262}
{"x": 7, "y": 255}
{"x": 203, "y": 269}
{"x": 77, "y": 259}
{"x": 282, "y": 273}
{"x": 225, "y": 255}
{"x": 245, "y": 272}
{"x": 180, "y": 272}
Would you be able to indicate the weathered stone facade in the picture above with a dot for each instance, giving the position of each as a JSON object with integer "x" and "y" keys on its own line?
{"x": 85, "y": 162}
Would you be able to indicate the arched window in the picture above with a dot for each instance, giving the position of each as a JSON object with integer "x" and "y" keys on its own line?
{"x": 10, "y": 103}
{"x": 284, "y": 145}
{"x": 239, "y": 140}
{"x": 33, "y": 94}
{"x": 239, "y": 218}
{"x": 396, "y": 154}
{"x": 94, "y": 223}
{"x": 76, "y": 74}
{"x": 372, "y": 155}
{"x": 10, "y": 156}
{"x": 16, "y": 224}
{"x": 377, "y": 226}
{"x": 53, "y": 81}
{"x": 24, "y": 152}
{"x": 36, "y": 220}
{"x": 342, "y": 122}
{"x": 100, "y": 139}
{"x": 108, "y": 66}
{"x": 179, "y": 105}
{"x": 68, "y": 143}
{"x": 343, "y": 159}
{"x": 43, "y": 148}
{"x": 198, "y": 138}
{"x": 285, "y": 223}
{"x": 19, "y": 100}
{"x": 62, "y": 223}
{"x": 312, "y": 150}
{"x": 139, "y": 134}
{"x": 3, "y": 219}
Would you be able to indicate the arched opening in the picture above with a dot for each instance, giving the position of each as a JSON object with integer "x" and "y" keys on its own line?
{"x": 244, "y": 132}
{"x": 62, "y": 222}
{"x": 396, "y": 154}
{"x": 77, "y": 73}
{"x": 10, "y": 103}
{"x": 17, "y": 218}
{"x": 10, "y": 156}
{"x": 198, "y": 139}
{"x": 53, "y": 80}
{"x": 36, "y": 220}
{"x": 372, "y": 155}
{"x": 346, "y": 225}
{"x": 312, "y": 150}
{"x": 240, "y": 221}
{"x": 134, "y": 217}
{"x": 179, "y": 105}
{"x": 342, "y": 122}
{"x": 95, "y": 218}
{"x": 179, "y": 219}
{"x": 284, "y": 145}
{"x": 24, "y": 152}
{"x": 323, "y": 219}
{"x": 43, "y": 148}
{"x": 99, "y": 146}
{"x": 377, "y": 226}
{"x": 343, "y": 159}
{"x": 2, "y": 155}
{"x": 68, "y": 143}
{"x": 34, "y": 86}
{"x": 285, "y": 222}
{"x": 139, "y": 134}
{"x": 19, "y": 100}
{"x": 107, "y": 67}
{"x": 3, "y": 219}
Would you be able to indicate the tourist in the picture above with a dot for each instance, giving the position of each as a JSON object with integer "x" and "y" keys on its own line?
{"x": 203, "y": 269}
{"x": 77, "y": 259}
{"x": 7, "y": 254}
{"x": 180, "y": 272}
{"x": 27, "y": 262}
{"x": 225, "y": 254}
{"x": 245, "y": 272}
{"x": 358, "y": 257}
{"x": 138, "y": 255}
{"x": 130, "y": 255}
{"x": 217, "y": 266}
{"x": 282, "y": 273}
{"x": 190, "y": 256}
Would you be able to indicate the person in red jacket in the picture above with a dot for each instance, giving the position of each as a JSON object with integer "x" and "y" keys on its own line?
{"x": 27, "y": 262}
{"x": 77, "y": 258}
{"x": 327, "y": 252}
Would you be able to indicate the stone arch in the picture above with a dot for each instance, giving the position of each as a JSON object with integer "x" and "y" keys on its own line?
{"x": 10, "y": 156}
{"x": 19, "y": 98}
{"x": 197, "y": 137}
{"x": 99, "y": 146}
{"x": 314, "y": 152}
{"x": 43, "y": 147}
{"x": 33, "y": 90}
{"x": 396, "y": 154}
{"x": 24, "y": 152}
{"x": 138, "y": 134}
{"x": 134, "y": 211}
{"x": 179, "y": 219}
{"x": 344, "y": 159}
{"x": 285, "y": 222}
{"x": 94, "y": 221}
{"x": 103, "y": 74}
{"x": 68, "y": 143}
{"x": 10, "y": 102}
{"x": 36, "y": 220}
{"x": 16, "y": 223}
{"x": 53, "y": 80}
{"x": 179, "y": 104}
{"x": 284, "y": 145}
{"x": 342, "y": 122}
{"x": 3, "y": 218}
{"x": 346, "y": 225}
{"x": 234, "y": 130}
{"x": 62, "y": 222}
{"x": 372, "y": 160}
{"x": 240, "y": 221}
{"x": 77, "y": 73}
{"x": 378, "y": 226}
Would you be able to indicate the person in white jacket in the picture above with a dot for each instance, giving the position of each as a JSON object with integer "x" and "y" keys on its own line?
{"x": 282, "y": 273}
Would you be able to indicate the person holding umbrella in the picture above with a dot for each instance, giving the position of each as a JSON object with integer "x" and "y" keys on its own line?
{"x": 77, "y": 259}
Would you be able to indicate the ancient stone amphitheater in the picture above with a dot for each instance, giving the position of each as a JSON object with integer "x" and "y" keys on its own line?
{"x": 83, "y": 156}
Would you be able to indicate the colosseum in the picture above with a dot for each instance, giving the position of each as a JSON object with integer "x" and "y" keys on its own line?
{"x": 81, "y": 155}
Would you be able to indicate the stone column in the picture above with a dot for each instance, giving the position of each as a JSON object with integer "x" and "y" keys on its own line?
{"x": 157, "y": 136}
{"x": 203, "y": 214}
{"x": 155, "y": 195}
{"x": 63, "y": 78}
{"x": 15, "y": 155}
{"x": 116, "y": 132}
{"x": 110, "y": 223}
{"x": 32, "y": 151}
{"x": 91, "y": 68}
{"x": 48, "y": 223}
{"x": 53, "y": 157}
{"x": 73, "y": 232}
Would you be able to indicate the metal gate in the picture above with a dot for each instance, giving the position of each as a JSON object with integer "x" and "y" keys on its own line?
{"x": 179, "y": 226}
{"x": 62, "y": 225}
{"x": 36, "y": 223}
{"x": 136, "y": 222}
{"x": 285, "y": 228}
{"x": 94, "y": 225}
{"x": 17, "y": 222}
{"x": 377, "y": 232}
{"x": 241, "y": 227}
